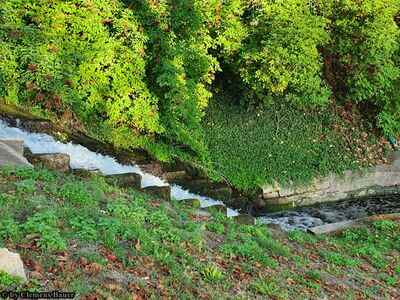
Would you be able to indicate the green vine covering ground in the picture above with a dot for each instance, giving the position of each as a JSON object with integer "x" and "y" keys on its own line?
{"x": 82, "y": 235}
{"x": 281, "y": 143}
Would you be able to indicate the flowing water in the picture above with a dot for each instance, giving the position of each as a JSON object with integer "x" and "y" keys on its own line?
{"x": 301, "y": 218}
{"x": 83, "y": 158}
{"x": 316, "y": 215}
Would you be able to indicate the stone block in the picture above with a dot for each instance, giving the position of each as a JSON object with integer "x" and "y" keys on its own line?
{"x": 125, "y": 180}
{"x": 163, "y": 192}
{"x": 16, "y": 144}
{"x": 55, "y": 161}
{"x": 8, "y": 156}
{"x": 176, "y": 176}
{"x": 11, "y": 263}
{"x": 270, "y": 195}
{"x": 223, "y": 193}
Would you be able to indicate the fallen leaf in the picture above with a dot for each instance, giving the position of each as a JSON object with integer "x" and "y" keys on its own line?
{"x": 111, "y": 258}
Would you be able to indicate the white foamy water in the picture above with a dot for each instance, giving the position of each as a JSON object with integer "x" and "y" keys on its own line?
{"x": 81, "y": 157}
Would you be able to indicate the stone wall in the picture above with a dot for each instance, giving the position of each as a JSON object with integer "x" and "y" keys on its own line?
{"x": 378, "y": 180}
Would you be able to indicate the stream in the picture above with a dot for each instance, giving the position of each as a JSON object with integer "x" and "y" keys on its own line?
{"x": 320, "y": 214}
{"x": 83, "y": 158}
{"x": 300, "y": 218}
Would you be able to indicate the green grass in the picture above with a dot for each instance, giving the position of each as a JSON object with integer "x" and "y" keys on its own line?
{"x": 83, "y": 235}
{"x": 7, "y": 280}
{"x": 251, "y": 147}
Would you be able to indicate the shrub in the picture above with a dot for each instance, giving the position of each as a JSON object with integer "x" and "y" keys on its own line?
{"x": 138, "y": 73}
{"x": 180, "y": 63}
{"x": 80, "y": 59}
{"x": 279, "y": 56}
{"x": 364, "y": 54}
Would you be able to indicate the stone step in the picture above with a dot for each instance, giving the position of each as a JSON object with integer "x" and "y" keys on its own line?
{"x": 176, "y": 176}
{"x": 54, "y": 161}
{"x": 12, "y": 155}
{"x": 222, "y": 193}
{"x": 16, "y": 144}
{"x": 164, "y": 192}
{"x": 125, "y": 180}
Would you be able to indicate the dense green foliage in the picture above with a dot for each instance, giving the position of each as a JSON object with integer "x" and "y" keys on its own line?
{"x": 279, "y": 55}
{"x": 83, "y": 235}
{"x": 131, "y": 74}
{"x": 81, "y": 57}
{"x": 280, "y": 143}
{"x": 364, "y": 55}
{"x": 141, "y": 73}
{"x": 180, "y": 67}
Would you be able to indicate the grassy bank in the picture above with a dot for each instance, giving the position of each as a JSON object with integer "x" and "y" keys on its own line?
{"x": 252, "y": 147}
{"x": 82, "y": 235}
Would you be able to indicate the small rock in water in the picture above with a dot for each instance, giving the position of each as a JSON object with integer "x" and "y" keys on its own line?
{"x": 296, "y": 220}
{"x": 11, "y": 263}
{"x": 329, "y": 217}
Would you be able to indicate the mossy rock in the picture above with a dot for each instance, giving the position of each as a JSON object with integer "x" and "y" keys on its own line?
{"x": 176, "y": 176}
{"x": 198, "y": 185}
{"x": 223, "y": 193}
{"x": 163, "y": 192}
{"x": 126, "y": 180}
{"x": 54, "y": 161}
{"x": 238, "y": 202}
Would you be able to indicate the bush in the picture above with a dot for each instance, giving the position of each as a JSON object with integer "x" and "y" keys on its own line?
{"x": 364, "y": 55}
{"x": 279, "y": 56}
{"x": 78, "y": 58}
{"x": 136, "y": 74}
{"x": 181, "y": 67}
